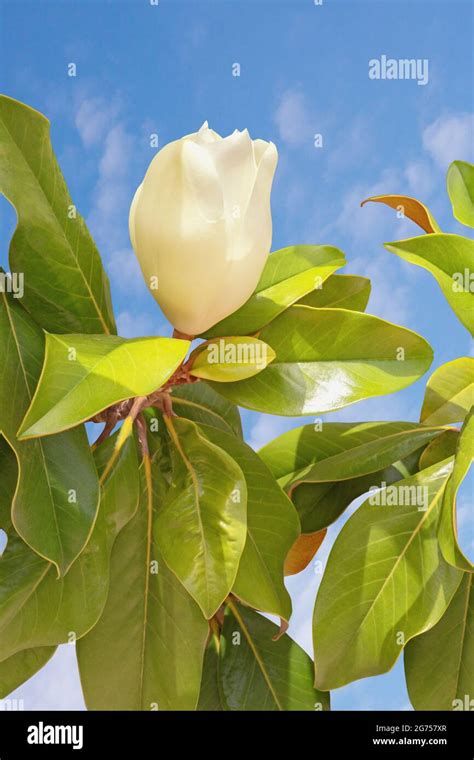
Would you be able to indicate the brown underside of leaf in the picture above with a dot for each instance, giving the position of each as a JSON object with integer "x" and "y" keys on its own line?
{"x": 303, "y": 551}
{"x": 412, "y": 208}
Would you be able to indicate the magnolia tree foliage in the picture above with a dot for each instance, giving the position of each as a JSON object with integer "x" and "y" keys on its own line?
{"x": 157, "y": 548}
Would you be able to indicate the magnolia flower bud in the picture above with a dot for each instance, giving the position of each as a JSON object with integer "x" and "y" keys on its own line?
{"x": 201, "y": 226}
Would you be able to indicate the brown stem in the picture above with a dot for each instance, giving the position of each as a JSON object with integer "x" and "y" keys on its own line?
{"x": 108, "y": 427}
{"x": 142, "y": 435}
{"x": 182, "y": 336}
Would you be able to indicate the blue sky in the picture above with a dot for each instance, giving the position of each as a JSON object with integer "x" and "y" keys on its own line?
{"x": 166, "y": 68}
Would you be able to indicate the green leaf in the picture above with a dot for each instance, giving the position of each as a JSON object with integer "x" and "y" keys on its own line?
{"x": 8, "y": 481}
{"x": 201, "y": 527}
{"x": 56, "y": 501}
{"x": 460, "y": 181}
{"x": 341, "y": 291}
{"x": 258, "y": 673}
{"x": 121, "y": 488}
{"x": 342, "y": 450}
{"x": 84, "y": 374}
{"x": 327, "y": 359}
{"x": 409, "y": 207}
{"x": 200, "y": 403}
{"x": 210, "y": 697}
{"x": 150, "y": 626}
{"x": 450, "y": 259}
{"x": 385, "y": 581}
{"x": 18, "y": 668}
{"x": 272, "y": 529}
{"x": 36, "y": 608}
{"x": 66, "y": 288}
{"x": 228, "y": 359}
{"x": 441, "y": 447}
{"x": 439, "y": 663}
{"x": 288, "y": 275}
{"x": 449, "y": 393}
{"x": 326, "y": 468}
{"x": 448, "y": 540}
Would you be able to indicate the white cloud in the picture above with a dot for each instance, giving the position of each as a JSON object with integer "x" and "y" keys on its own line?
{"x": 450, "y": 137}
{"x": 93, "y": 117}
{"x": 421, "y": 181}
{"x": 267, "y": 427}
{"x": 390, "y": 296}
{"x": 351, "y": 145}
{"x": 113, "y": 194}
{"x": 372, "y": 222}
{"x": 124, "y": 271}
{"x": 294, "y": 119}
{"x": 135, "y": 325}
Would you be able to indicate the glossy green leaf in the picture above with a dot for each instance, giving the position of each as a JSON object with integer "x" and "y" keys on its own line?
{"x": 201, "y": 527}
{"x": 84, "y": 374}
{"x": 18, "y": 668}
{"x": 8, "y": 482}
{"x": 56, "y": 500}
{"x": 448, "y": 539}
{"x": 210, "y": 698}
{"x": 327, "y": 359}
{"x": 36, "y": 608}
{"x": 258, "y": 673}
{"x": 66, "y": 288}
{"x": 22, "y": 665}
{"x": 460, "y": 181}
{"x": 441, "y": 447}
{"x": 342, "y": 450}
{"x": 449, "y": 392}
{"x": 226, "y": 360}
{"x": 120, "y": 493}
{"x": 288, "y": 275}
{"x": 147, "y": 649}
{"x": 272, "y": 529}
{"x": 408, "y": 207}
{"x": 450, "y": 259}
{"x": 439, "y": 664}
{"x": 326, "y": 468}
{"x": 319, "y": 505}
{"x": 200, "y": 403}
{"x": 385, "y": 581}
{"x": 340, "y": 291}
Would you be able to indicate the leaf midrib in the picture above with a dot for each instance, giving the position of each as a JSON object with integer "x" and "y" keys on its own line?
{"x": 255, "y": 653}
{"x": 355, "y": 450}
{"x": 401, "y": 556}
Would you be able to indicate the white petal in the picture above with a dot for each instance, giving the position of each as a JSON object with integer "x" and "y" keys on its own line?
{"x": 256, "y": 229}
{"x": 203, "y": 179}
{"x": 205, "y": 135}
{"x": 131, "y": 216}
{"x": 235, "y": 164}
{"x": 259, "y": 148}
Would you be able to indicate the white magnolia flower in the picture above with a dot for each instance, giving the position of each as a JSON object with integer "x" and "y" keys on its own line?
{"x": 201, "y": 225}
